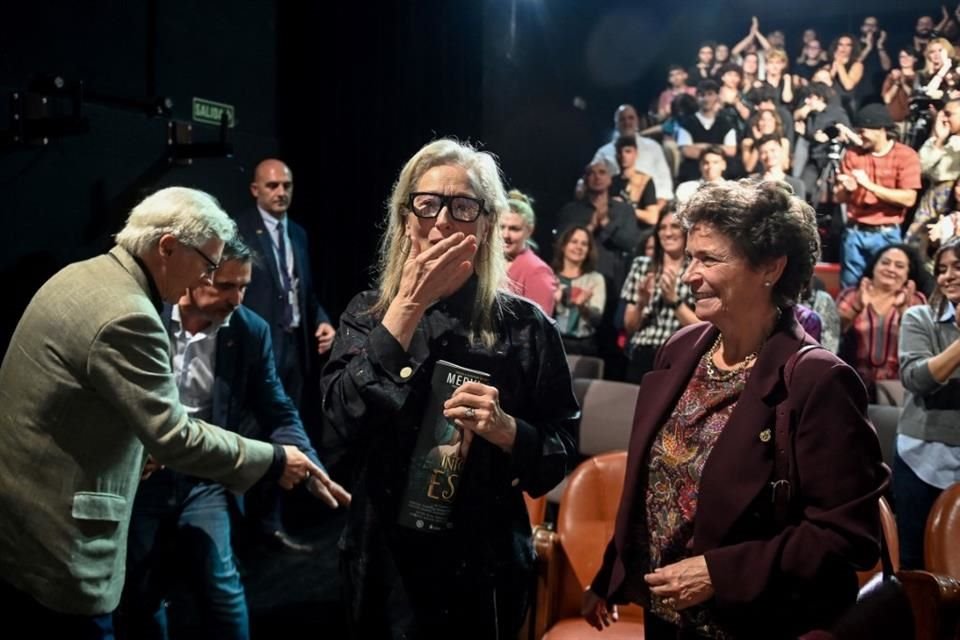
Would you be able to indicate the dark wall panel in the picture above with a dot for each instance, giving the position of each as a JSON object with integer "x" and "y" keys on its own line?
{"x": 65, "y": 199}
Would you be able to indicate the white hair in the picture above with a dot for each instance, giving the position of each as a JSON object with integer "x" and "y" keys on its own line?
{"x": 193, "y": 216}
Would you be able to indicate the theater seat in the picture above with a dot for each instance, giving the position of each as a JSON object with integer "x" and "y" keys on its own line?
{"x": 942, "y": 539}
{"x": 585, "y": 366}
{"x": 935, "y": 594}
{"x": 829, "y": 274}
{"x": 884, "y": 419}
{"x": 569, "y": 558}
{"x": 889, "y": 392}
{"x": 536, "y": 508}
{"x": 606, "y": 419}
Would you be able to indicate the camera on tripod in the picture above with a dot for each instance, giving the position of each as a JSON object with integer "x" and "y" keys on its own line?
{"x": 922, "y": 110}
{"x": 836, "y": 142}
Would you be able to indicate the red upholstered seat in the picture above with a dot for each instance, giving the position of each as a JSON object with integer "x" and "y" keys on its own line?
{"x": 569, "y": 557}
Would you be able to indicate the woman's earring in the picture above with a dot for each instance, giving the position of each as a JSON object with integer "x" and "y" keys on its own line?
{"x": 766, "y": 283}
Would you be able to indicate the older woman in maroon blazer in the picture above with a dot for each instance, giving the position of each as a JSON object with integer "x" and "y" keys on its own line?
{"x": 753, "y": 478}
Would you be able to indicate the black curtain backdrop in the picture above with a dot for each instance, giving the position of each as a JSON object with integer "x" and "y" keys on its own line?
{"x": 361, "y": 87}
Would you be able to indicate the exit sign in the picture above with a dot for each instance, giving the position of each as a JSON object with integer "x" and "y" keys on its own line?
{"x": 210, "y": 112}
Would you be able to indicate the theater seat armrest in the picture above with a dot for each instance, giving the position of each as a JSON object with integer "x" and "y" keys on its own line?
{"x": 935, "y": 600}
{"x": 546, "y": 543}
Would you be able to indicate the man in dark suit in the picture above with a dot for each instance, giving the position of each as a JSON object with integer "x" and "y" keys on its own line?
{"x": 282, "y": 287}
{"x": 180, "y": 532}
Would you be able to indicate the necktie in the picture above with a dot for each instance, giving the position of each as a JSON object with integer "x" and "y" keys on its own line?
{"x": 284, "y": 276}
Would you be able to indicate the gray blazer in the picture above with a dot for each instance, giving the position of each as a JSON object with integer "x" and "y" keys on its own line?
{"x": 85, "y": 386}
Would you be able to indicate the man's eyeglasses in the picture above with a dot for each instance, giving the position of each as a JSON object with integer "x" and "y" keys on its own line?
{"x": 211, "y": 265}
{"x": 462, "y": 208}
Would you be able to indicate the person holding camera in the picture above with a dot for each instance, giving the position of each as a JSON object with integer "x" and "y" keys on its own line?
{"x": 878, "y": 180}
{"x": 819, "y": 115}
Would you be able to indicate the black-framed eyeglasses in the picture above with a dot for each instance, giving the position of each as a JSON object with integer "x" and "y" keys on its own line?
{"x": 211, "y": 265}
{"x": 424, "y": 204}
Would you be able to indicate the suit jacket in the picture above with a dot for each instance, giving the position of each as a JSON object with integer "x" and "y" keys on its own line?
{"x": 86, "y": 385}
{"x": 768, "y": 579}
{"x": 248, "y": 397}
{"x": 265, "y": 293}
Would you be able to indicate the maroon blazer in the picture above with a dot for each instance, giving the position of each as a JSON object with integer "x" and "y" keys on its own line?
{"x": 770, "y": 579}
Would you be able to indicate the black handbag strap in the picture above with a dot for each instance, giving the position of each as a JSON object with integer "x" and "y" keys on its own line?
{"x": 886, "y": 560}
{"x": 781, "y": 488}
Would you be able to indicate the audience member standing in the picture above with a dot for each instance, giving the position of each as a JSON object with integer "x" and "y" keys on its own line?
{"x": 879, "y": 180}
{"x": 928, "y": 443}
{"x": 529, "y": 275}
{"x": 705, "y": 128}
{"x": 940, "y": 164}
{"x": 870, "y": 313}
{"x": 657, "y": 299}
{"x": 617, "y": 237}
{"x": 632, "y": 186}
{"x": 582, "y": 292}
{"x": 899, "y": 86}
{"x": 676, "y": 85}
{"x": 713, "y": 164}
{"x": 821, "y": 112}
{"x": 612, "y": 222}
{"x": 846, "y": 70}
{"x": 650, "y": 157}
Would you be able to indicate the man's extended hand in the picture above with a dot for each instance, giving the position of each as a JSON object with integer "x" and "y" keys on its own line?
{"x": 332, "y": 493}
{"x": 325, "y": 335}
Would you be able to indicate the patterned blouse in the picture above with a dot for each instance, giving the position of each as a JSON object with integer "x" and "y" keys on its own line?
{"x": 660, "y": 320}
{"x": 678, "y": 455}
{"x": 870, "y": 344}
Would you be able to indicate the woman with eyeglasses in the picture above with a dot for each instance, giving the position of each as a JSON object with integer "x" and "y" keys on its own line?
{"x": 657, "y": 301}
{"x": 441, "y": 296}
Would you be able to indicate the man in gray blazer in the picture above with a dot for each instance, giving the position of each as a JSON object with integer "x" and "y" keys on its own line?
{"x": 86, "y": 393}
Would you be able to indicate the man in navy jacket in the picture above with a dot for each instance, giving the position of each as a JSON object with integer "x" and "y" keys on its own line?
{"x": 223, "y": 362}
{"x": 282, "y": 287}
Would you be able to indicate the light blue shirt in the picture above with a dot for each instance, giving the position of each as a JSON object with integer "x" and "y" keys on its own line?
{"x": 936, "y": 463}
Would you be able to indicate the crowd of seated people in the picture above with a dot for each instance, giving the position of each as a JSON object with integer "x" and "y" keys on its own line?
{"x": 866, "y": 129}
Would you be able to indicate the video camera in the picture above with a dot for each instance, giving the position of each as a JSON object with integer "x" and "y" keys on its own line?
{"x": 832, "y": 132}
{"x": 836, "y": 144}
{"x": 920, "y": 118}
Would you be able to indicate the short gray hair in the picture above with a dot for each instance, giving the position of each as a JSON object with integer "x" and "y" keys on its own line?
{"x": 193, "y": 216}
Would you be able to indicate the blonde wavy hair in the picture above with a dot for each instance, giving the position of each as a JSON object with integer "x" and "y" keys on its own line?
{"x": 489, "y": 263}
